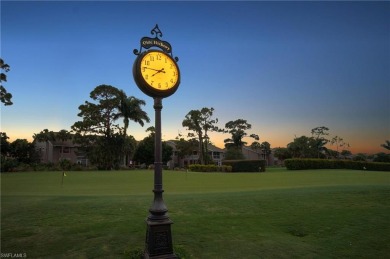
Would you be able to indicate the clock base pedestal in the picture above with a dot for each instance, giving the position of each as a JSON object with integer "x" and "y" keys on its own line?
{"x": 158, "y": 243}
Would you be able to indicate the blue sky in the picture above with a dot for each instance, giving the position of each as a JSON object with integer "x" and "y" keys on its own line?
{"x": 285, "y": 67}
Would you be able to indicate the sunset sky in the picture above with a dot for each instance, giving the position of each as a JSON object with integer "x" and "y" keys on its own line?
{"x": 285, "y": 67}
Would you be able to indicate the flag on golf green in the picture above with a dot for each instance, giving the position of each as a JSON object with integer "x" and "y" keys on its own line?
{"x": 64, "y": 174}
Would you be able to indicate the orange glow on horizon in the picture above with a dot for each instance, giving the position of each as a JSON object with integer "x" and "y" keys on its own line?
{"x": 371, "y": 146}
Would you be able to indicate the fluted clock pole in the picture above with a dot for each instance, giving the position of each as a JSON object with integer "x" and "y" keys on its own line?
{"x": 158, "y": 235}
{"x": 158, "y": 209}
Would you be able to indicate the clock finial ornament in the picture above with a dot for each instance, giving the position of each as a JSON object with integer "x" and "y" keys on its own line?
{"x": 156, "y": 31}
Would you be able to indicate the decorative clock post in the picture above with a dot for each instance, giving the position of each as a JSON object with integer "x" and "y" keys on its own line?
{"x": 157, "y": 74}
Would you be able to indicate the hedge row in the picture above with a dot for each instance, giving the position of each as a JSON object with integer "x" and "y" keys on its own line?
{"x": 246, "y": 165}
{"x": 210, "y": 168}
{"x": 303, "y": 164}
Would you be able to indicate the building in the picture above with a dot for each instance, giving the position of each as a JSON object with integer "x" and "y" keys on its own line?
{"x": 54, "y": 151}
{"x": 215, "y": 153}
{"x": 251, "y": 154}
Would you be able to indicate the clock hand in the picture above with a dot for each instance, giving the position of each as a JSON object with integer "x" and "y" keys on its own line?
{"x": 151, "y": 68}
{"x": 159, "y": 71}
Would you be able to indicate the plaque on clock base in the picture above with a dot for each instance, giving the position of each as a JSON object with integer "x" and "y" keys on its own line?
{"x": 159, "y": 240}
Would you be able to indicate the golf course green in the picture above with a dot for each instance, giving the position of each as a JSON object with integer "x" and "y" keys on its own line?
{"x": 276, "y": 214}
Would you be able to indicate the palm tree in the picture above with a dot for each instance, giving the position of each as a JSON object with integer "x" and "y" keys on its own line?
{"x": 130, "y": 109}
{"x": 386, "y": 145}
{"x": 266, "y": 148}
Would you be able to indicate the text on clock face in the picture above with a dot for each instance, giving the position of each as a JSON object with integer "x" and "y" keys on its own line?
{"x": 159, "y": 70}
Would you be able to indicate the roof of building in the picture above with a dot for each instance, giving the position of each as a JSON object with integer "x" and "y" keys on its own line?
{"x": 210, "y": 147}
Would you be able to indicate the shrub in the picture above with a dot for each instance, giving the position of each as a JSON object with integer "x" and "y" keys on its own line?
{"x": 22, "y": 167}
{"x": 209, "y": 168}
{"x": 65, "y": 164}
{"x": 8, "y": 164}
{"x": 77, "y": 167}
{"x": 304, "y": 164}
{"x": 246, "y": 165}
{"x": 382, "y": 157}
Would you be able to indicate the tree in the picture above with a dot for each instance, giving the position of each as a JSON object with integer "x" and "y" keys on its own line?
{"x": 282, "y": 153}
{"x": 330, "y": 154}
{"x": 5, "y": 145}
{"x": 386, "y": 145}
{"x": 320, "y": 141}
{"x": 129, "y": 148}
{"x": 130, "y": 109}
{"x": 237, "y": 129}
{"x": 303, "y": 147}
{"x": 266, "y": 148}
{"x": 382, "y": 157}
{"x": 167, "y": 152}
{"x": 24, "y": 151}
{"x": 99, "y": 134}
{"x": 201, "y": 123}
{"x": 255, "y": 146}
{"x": 6, "y": 163}
{"x": 360, "y": 157}
{"x": 63, "y": 135}
{"x": 234, "y": 145}
{"x": 346, "y": 153}
{"x": 144, "y": 152}
{"x": 233, "y": 154}
{"x": 339, "y": 142}
{"x": 99, "y": 118}
{"x": 185, "y": 147}
{"x": 319, "y": 132}
{"x": 5, "y": 97}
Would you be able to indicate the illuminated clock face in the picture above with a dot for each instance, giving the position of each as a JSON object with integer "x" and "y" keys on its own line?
{"x": 159, "y": 70}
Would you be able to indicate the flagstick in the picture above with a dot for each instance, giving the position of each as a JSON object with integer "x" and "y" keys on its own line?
{"x": 62, "y": 181}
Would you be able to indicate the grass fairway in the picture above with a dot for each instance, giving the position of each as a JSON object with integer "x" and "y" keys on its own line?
{"x": 277, "y": 214}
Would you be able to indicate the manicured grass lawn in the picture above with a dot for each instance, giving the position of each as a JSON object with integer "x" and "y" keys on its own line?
{"x": 277, "y": 214}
